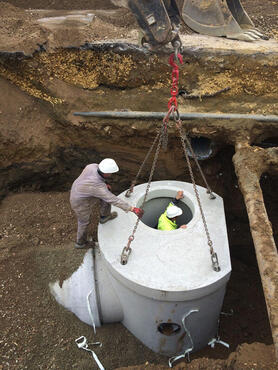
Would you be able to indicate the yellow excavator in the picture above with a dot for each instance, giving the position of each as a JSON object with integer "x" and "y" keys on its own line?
{"x": 160, "y": 19}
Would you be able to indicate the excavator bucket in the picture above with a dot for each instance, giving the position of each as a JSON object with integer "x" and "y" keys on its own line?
{"x": 218, "y": 18}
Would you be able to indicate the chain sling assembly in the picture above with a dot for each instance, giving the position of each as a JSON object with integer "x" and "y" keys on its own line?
{"x": 183, "y": 138}
{"x": 160, "y": 137}
{"x": 161, "y": 140}
{"x": 134, "y": 182}
{"x": 173, "y": 109}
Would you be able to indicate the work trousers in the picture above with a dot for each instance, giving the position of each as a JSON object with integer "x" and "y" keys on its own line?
{"x": 83, "y": 208}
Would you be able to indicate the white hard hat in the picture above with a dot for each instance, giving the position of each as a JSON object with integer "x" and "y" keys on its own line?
{"x": 108, "y": 165}
{"x": 173, "y": 211}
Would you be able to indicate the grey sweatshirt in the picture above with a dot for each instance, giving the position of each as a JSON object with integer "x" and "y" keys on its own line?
{"x": 91, "y": 185}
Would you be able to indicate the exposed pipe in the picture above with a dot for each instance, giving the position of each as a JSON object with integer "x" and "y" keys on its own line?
{"x": 183, "y": 116}
{"x": 202, "y": 147}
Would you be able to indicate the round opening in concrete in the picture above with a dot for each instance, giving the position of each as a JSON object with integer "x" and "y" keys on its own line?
{"x": 168, "y": 328}
{"x": 154, "y": 208}
{"x": 201, "y": 146}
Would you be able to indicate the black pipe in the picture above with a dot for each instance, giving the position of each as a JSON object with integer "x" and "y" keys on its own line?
{"x": 183, "y": 116}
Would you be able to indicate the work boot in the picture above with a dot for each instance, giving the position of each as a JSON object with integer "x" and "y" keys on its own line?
{"x": 87, "y": 245}
{"x": 80, "y": 246}
{"x": 104, "y": 219}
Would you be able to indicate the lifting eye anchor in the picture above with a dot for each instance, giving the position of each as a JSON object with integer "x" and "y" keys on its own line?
{"x": 128, "y": 193}
{"x": 215, "y": 263}
{"x": 125, "y": 255}
{"x": 211, "y": 195}
{"x": 177, "y": 50}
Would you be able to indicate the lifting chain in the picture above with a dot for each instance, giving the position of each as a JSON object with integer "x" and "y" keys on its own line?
{"x": 173, "y": 106}
{"x": 174, "y": 59}
{"x": 134, "y": 182}
{"x": 162, "y": 138}
{"x": 127, "y": 249}
{"x": 214, "y": 258}
{"x": 209, "y": 191}
{"x": 165, "y": 127}
{"x": 173, "y": 109}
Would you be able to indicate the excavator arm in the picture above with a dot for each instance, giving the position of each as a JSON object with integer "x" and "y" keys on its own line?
{"x": 160, "y": 19}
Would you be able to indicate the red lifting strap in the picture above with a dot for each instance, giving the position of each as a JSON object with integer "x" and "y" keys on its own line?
{"x": 175, "y": 80}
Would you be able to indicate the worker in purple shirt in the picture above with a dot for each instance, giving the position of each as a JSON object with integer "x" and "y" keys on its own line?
{"x": 90, "y": 187}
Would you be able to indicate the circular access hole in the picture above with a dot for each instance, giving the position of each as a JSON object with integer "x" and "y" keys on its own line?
{"x": 168, "y": 328}
{"x": 201, "y": 146}
{"x": 154, "y": 208}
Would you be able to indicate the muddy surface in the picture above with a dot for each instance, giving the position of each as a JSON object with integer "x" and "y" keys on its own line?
{"x": 44, "y": 77}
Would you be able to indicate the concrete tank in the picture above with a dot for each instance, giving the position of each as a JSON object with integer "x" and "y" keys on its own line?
{"x": 168, "y": 294}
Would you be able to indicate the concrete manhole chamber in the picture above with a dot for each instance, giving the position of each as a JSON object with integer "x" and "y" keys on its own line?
{"x": 168, "y": 294}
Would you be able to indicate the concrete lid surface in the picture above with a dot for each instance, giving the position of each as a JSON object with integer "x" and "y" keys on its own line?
{"x": 168, "y": 261}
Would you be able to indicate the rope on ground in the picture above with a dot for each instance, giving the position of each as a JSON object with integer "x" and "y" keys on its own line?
{"x": 81, "y": 343}
{"x": 191, "y": 346}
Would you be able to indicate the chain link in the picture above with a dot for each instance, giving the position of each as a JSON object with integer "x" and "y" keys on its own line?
{"x": 162, "y": 142}
{"x": 166, "y": 119}
{"x": 175, "y": 79}
{"x": 214, "y": 258}
{"x": 127, "y": 250}
{"x": 134, "y": 182}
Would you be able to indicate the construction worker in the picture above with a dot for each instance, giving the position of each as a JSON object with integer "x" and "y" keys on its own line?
{"x": 168, "y": 219}
{"x": 89, "y": 188}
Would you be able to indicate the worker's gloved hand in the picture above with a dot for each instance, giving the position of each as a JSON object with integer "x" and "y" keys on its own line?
{"x": 138, "y": 211}
{"x": 179, "y": 195}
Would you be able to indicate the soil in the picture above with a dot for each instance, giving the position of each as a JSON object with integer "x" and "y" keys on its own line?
{"x": 43, "y": 148}
{"x": 263, "y": 14}
{"x": 36, "y": 248}
{"x": 21, "y": 31}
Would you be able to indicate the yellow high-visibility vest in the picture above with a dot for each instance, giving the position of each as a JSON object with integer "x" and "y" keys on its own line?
{"x": 164, "y": 223}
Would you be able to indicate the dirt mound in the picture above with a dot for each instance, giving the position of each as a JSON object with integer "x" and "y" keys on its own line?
{"x": 247, "y": 356}
{"x": 263, "y": 13}
{"x": 23, "y": 31}
{"x": 252, "y": 356}
{"x": 18, "y": 30}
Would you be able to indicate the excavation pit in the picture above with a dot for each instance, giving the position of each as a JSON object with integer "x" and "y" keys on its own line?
{"x": 44, "y": 147}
